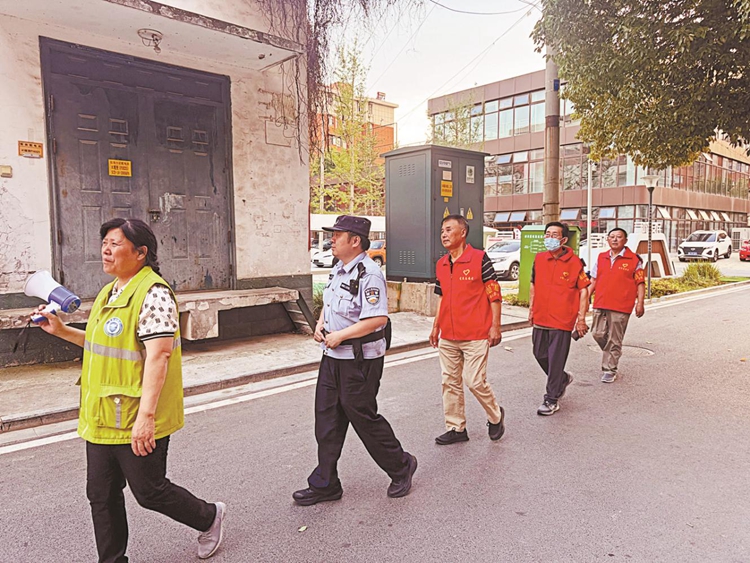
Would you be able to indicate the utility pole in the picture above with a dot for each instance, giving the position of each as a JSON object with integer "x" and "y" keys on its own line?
{"x": 551, "y": 195}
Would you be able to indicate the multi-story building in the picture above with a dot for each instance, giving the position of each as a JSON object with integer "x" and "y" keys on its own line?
{"x": 508, "y": 117}
{"x": 378, "y": 136}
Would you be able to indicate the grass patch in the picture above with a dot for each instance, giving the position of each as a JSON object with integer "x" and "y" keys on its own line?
{"x": 733, "y": 279}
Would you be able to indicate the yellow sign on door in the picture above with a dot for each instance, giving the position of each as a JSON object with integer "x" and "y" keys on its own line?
{"x": 446, "y": 213}
{"x": 469, "y": 215}
{"x": 30, "y": 149}
{"x": 446, "y": 189}
{"x": 120, "y": 168}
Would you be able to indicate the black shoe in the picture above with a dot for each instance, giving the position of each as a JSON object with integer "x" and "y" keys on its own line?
{"x": 401, "y": 487}
{"x": 496, "y": 431}
{"x": 308, "y": 497}
{"x": 451, "y": 437}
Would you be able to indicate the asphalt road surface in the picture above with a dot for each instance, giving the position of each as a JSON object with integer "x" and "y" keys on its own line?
{"x": 651, "y": 468}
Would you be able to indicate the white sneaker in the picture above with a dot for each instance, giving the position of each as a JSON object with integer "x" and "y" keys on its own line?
{"x": 210, "y": 540}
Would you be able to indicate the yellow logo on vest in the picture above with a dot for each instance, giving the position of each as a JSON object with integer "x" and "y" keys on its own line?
{"x": 113, "y": 327}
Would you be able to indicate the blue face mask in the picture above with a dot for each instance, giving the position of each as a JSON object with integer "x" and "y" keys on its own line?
{"x": 552, "y": 244}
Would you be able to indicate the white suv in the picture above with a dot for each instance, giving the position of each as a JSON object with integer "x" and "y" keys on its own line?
{"x": 705, "y": 245}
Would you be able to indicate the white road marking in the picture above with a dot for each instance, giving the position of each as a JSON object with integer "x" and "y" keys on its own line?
{"x": 397, "y": 361}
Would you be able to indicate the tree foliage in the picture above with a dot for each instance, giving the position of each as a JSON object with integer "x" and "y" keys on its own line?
{"x": 458, "y": 130}
{"x": 655, "y": 79}
{"x": 353, "y": 173}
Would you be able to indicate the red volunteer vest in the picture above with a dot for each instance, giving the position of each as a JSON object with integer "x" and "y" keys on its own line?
{"x": 557, "y": 285}
{"x": 617, "y": 284}
{"x": 465, "y": 312}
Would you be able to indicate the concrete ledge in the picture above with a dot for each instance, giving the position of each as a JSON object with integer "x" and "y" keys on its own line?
{"x": 201, "y": 309}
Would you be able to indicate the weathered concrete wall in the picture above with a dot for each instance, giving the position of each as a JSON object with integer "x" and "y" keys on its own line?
{"x": 270, "y": 180}
{"x": 24, "y": 198}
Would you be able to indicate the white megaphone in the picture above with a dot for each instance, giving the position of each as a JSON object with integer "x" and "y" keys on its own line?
{"x": 44, "y": 286}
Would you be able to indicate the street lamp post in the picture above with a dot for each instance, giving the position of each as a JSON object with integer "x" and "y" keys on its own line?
{"x": 592, "y": 167}
{"x": 650, "y": 180}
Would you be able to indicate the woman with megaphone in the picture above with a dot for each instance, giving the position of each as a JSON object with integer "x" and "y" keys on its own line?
{"x": 131, "y": 394}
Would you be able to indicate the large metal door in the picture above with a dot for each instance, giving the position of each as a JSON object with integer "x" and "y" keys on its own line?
{"x": 169, "y": 126}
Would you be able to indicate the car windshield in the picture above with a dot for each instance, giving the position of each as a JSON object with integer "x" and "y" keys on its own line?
{"x": 377, "y": 244}
{"x": 509, "y": 247}
{"x": 497, "y": 246}
{"x": 702, "y": 237}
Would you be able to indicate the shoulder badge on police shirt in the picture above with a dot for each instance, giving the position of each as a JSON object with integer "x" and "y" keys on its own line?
{"x": 372, "y": 294}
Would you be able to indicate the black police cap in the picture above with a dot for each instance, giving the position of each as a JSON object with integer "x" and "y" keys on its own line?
{"x": 357, "y": 225}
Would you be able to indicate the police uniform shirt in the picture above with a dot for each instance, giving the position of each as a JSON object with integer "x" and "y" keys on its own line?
{"x": 341, "y": 309}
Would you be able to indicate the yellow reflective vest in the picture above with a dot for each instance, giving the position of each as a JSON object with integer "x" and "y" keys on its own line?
{"x": 113, "y": 362}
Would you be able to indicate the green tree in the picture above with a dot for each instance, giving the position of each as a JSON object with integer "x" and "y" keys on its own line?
{"x": 353, "y": 172}
{"x": 457, "y": 128}
{"x": 654, "y": 79}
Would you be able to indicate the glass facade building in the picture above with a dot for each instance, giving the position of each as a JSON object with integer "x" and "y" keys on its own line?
{"x": 508, "y": 122}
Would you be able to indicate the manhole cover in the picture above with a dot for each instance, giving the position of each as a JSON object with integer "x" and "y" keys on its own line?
{"x": 627, "y": 350}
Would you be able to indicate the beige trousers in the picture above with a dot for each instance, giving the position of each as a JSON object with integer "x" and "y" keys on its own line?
{"x": 465, "y": 361}
{"x": 609, "y": 330}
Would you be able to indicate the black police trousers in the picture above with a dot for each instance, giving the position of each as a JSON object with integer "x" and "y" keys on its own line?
{"x": 551, "y": 347}
{"x": 108, "y": 468}
{"x": 346, "y": 393}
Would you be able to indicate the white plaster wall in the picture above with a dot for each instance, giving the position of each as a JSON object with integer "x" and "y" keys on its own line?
{"x": 271, "y": 195}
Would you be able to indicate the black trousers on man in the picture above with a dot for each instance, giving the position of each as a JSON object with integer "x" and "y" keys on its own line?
{"x": 551, "y": 347}
{"x": 108, "y": 467}
{"x": 347, "y": 393}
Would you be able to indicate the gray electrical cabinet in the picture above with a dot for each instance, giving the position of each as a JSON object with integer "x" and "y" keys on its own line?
{"x": 422, "y": 185}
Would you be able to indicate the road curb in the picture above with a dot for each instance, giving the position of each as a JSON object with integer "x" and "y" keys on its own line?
{"x": 34, "y": 419}
{"x": 697, "y": 292}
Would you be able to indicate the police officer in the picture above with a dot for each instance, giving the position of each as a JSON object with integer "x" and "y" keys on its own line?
{"x": 352, "y": 333}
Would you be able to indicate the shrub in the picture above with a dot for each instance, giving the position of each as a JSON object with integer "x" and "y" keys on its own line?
{"x": 512, "y": 299}
{"x": 702, "y": 274}
{"x": 318, "y": 299}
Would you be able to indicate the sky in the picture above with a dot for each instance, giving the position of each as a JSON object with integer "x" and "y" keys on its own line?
{"x": 436, "y": 51}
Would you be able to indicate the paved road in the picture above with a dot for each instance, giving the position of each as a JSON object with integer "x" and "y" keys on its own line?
{"x": 652, "y": 468}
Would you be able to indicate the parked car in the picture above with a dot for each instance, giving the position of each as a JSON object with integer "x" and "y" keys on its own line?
{"x": 705, "y": 245}
{"x": 377, "y": 252}
{"x": 325, "y": 259}
{"x": 314, "y": 250}
{"x": 506, "y": 258}
{"x": 745, "y": 250}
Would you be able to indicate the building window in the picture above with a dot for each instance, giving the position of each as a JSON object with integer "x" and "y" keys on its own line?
{"x": 570, "y": 214}
{"x": 521, "y": 120}
{"x": 607, "y": 213}
{"x": 537, "y": 118}
{"x": 692, "y": 215}
{"x": 505, "y": 128}
{"x": 517, "y": 216}
{"x": 502, "y": 217}
{"x": 490, "y": 107}
{"x": 490, "y": 127}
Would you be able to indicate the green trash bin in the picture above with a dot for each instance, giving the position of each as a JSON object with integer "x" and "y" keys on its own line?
{"x": 532, "y": 241}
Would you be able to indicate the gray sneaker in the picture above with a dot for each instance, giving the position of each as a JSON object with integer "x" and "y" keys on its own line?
{"x": 210, "y": 540}
{"x": 609, "y": 377}
{"x": 548, "y": 409}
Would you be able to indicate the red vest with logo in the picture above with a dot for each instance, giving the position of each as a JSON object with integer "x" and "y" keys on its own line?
{"x": 557, "y": 285}
{"x": 465, "y": 312}
{"x": 617, "y": 284}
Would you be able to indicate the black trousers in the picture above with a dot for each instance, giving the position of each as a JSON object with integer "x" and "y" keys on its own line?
{"x": 551, "y": 349}
{"x": 347, "y": 393}
{"x": 108, "y": 467}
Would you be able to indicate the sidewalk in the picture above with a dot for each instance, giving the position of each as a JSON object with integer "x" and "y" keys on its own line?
{"x": 46, "y": 393}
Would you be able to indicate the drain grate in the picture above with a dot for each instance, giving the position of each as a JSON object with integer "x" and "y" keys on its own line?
{"x": 626, "y": 350}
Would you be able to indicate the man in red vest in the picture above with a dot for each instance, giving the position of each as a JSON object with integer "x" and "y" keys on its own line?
{"x": 558, "y": 301}
{"x": 617, "y": 284}
{"x": 466, "y": 325}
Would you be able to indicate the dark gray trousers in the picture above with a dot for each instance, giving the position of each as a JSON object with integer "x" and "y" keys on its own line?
{"x": 551, "y": 347}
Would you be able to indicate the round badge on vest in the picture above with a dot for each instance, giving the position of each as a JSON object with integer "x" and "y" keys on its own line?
{"x": 113, "y": 327}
